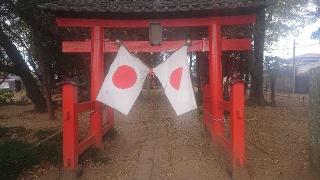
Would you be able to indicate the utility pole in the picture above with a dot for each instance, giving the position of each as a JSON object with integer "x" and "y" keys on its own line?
{"x": 294, "y": 67}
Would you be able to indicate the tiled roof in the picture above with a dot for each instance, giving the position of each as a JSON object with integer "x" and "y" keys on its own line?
{"x": 149, "y": 6}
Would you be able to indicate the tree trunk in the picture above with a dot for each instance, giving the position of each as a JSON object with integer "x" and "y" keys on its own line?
{"x": 273, "y": 79}
{"x": 48, "y": 87}
{"x": 256, "y": 90}
{"x": 44, "y": 63}
{"x": 22, "y": 69}
{"x": 201, "y": 66}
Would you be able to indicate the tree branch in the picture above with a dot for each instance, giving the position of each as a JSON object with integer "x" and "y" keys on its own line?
{"x": 11, "y": 50}
{"x": 9, "y": 69}
{"x": 4, "y": 78}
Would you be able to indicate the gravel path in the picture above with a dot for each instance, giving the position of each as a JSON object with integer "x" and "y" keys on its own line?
{"x": 153, "y": 143}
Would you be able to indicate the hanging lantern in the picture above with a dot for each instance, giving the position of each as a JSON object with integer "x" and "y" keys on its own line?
{"x": 155, "y": 33}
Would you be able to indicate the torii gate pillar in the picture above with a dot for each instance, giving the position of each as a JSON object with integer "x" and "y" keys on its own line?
{"x": 97, "y": 74}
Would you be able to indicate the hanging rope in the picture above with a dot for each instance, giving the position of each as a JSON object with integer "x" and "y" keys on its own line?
{"x": 187, "y": 43}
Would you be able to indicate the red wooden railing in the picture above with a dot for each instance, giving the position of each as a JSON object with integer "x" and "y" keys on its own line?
{"x": 70, "y": 110}
{"x": 235, "y": 106}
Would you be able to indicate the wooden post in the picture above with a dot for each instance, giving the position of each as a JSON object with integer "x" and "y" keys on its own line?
{"x": 70, "y": 127}
{"x": 237, "y": 122}
{"x": 97, "y": 75}
{"x": 294, "y": 68}
{"x": 206, "y": 105}
{"x": 314, "y": 124}
{"x": 215, "y": 78}
{"x": 110, "y": 115}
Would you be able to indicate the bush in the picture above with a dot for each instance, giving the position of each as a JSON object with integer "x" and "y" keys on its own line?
{"x": 50, "y": 150}
{"x": 15, "y": 157}
{"x": 4, "y": 131}
{"x": 6, "y": 97}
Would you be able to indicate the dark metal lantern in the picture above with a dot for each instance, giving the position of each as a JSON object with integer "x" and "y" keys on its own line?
{"x": 155, "y": 33}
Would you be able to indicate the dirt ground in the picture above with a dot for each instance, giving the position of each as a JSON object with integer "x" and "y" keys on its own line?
{"x": 153, "y": 143}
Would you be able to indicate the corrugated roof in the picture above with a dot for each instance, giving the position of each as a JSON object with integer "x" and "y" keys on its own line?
{"x": 109, "y": 7}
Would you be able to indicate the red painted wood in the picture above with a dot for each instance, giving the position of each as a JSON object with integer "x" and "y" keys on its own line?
{"x": 144, "y": 46}
{"x": 225, "y": 105}
{"x": 110, "y": 118}
{"x": 226, "y": 144}
{"x": 236, "y": 20}
{"x": 97, "y": 75}
{"x": 236, "y": 44}
{"x": 224, "y": 20}
{"x": 215, "y": 78}
{"x": 134, "y": 46}
{"x": 107, "y": 127}
{"x": 237, "y": 123}
{"x": 76, "y": 46}
{"x": 85, "y": 106}
{"x": 85, "y": 144}
{"x": 70, "y": 127}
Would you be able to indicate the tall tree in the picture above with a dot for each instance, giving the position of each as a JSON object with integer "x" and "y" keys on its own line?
{"x": 273, "y": 65}
{"x": 23, "y": 26}
{"x": 17, "y": 65}
{"x": 279, "y": 19}
{"x": 256, "y": 68}
{"x": 316, "y": 34}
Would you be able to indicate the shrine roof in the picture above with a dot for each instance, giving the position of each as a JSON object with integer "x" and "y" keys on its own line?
{"x": 151, "y": 8}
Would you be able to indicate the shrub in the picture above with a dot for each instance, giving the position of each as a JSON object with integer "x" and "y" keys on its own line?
{"x": 4, "y": 131}
{"x": 15, "y": 157}
{"x": 6, "y": 97}
{"x": 50, "y": 150}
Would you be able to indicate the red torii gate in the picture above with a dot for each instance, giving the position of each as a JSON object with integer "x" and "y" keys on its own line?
{"x": 213, "y": 98}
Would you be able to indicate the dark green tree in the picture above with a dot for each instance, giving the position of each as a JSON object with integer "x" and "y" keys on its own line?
{"x": 279, "y": 19}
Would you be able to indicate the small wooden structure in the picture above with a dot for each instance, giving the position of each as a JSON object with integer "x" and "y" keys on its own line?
{"x": 101, "y": 15}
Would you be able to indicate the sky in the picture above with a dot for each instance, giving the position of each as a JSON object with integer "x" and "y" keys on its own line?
{"x": 304, "y": 44}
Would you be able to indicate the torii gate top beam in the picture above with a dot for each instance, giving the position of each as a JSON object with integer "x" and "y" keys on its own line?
{"x": 192, "y": 22}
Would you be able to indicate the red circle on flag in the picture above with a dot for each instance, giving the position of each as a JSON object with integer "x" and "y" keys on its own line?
{"x": 175, "y": 78}
{"x": 124, "y": 77}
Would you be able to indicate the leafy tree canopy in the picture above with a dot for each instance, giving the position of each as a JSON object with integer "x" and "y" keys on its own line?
{"x": 316, "y": 34}
{"x": 287, "y": 17}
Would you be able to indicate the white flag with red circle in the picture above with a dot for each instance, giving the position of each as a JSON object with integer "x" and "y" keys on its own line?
{"x": 175, "y": 78}
{"x": 124, "y": 82}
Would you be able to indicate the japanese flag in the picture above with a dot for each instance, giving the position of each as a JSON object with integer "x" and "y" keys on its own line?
{"x": 175, "y": 78}
{"x": 124, "y": 81}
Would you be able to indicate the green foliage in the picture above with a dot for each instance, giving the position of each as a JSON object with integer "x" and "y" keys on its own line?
{"x": 273, "y": 62}
{"x": 316, "y": 34}
{"x": 8, "y": 131}
{"x": 6, "y": 97}
{"x": 15, "y": 157}
{"x": 4, "y": 131}
{"x": 50, "y": 150}
{"x": 287, "y": 17}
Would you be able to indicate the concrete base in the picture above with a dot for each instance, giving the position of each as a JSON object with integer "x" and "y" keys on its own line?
{"x": 71, "y": 174}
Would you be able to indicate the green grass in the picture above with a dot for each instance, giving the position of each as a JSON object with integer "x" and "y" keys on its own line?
{"x": 50, "y": 150}
{"x": 17, "y": 156}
